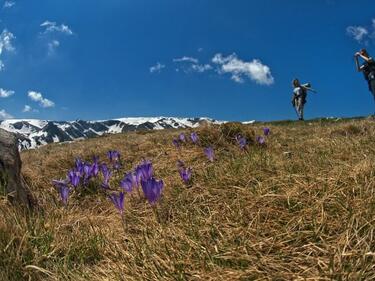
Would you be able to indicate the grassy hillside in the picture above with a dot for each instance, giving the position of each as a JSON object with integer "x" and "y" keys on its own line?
{"x": 300, "y": 207}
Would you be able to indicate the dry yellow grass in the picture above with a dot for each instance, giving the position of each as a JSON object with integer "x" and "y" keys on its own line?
{"x": 302, "y": 208}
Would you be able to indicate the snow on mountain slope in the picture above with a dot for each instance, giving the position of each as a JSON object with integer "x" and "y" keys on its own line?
{"x": 33, "y": 133}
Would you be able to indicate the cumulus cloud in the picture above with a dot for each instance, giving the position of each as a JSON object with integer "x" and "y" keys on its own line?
{"x": 157, "y": 68}
{"x": 9, "y": 4}
{"x": 6, "y": 39}
{"x": 52, "y": 46}
{"x": 27, "y": 108}
{"x": 6, "y": 93}
{"x": 51, "y": 26}
{"x": 200, "y": 67}
{"x": 5, "y": 115}
{"x": 38, "y": 97}
{"x": 357, "y": 32}
{"x": 190, "y": 64}
{"x": 255, "y": 70}
{"x": 186, "y": 59}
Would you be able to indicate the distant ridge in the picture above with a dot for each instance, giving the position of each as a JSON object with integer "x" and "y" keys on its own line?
{"x": 33, "y": 133}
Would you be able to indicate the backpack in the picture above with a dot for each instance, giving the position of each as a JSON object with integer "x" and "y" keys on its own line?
{"x": 369, "y": 70}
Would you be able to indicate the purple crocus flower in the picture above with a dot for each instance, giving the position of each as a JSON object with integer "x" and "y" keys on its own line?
{"x": 106, "y": 175}
{"x": 152, "y": 189}
{"x": 242, "y": 141}
{"x": 74, "y": 177}
{"x": 113, "y": 155}
{"x": 176, "y": 143}
{"x": 185, "y": 174}
{"x": 95, "y": 167}
{"x": 62, "y": 187}
{"x": 64, "y": 193}
{"x": 144, "y": 171}
{"x": 209, "y": 153}
{"x": 182, "y": 137}
{"x": 79, "y": 165}
{"x": 87, "y": 170}
{"x": 129, "y": 182}
{"x": 260, "y": 140}
{"x": 266, "y": 131}
{"x": 194, "y": 137}
{"x": 118, "y": 201}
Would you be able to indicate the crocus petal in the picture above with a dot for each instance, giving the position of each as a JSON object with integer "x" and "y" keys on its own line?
{"x": 266, "y": 131}
{"x": 209, "y": 153}
{"x": 118, "y": 201}
{"x": 152, "y": 190}
{"x": 194, "y": 137}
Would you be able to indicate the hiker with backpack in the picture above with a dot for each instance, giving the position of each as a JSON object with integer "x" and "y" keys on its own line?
{"x": 299, "y": 97}
{"x": 368, "y": 68}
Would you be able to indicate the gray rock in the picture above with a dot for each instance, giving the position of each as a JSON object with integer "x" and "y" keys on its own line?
{"x": 12, "y": 183}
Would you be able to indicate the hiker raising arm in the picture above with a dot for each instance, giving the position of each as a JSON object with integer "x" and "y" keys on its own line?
{"x": 367, "y": 68}
{"x": 366, "y": 58}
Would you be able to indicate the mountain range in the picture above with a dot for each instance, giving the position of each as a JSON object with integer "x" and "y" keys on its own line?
{"x": 32, "y": 133}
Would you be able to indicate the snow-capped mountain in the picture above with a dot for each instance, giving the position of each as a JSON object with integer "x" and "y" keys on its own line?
{"x": 33, "y": 133}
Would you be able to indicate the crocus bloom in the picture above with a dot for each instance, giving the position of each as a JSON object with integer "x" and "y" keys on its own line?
{"x": 64, "y": 193}
{"x": 185, "y": 174}
{"x": 79, "y": 165}
{"x": 209, "y": 153}
{"x": 266, "y": 131}
{"x": 261, "y": 140}
{"x": 242, "y": 142}
{"x": 144, "y": 171}
{"x": 106, "y": 175}
{"x": 74, "y": 177}
{"x": 113, "y": 155}
{"x": 129, "y": 182}
{"x": 182, "y": 137}
{"x": 176, "y": 143}
{"x": 87, "y": 170}
{"x": 152, "y": 189}
{"x": 194, "y": 137}
{"x": 118, "y": 201}
{"x": 95, "y": 167}
{"x": 63, "y": 189}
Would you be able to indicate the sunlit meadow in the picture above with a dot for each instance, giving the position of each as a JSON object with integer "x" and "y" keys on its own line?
{"x": 279, "y": 201}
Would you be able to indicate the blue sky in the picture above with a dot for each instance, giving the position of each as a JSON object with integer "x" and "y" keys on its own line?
{"x": 229, "y": 60}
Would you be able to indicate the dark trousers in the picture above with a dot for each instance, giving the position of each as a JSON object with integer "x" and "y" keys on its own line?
{"x": 372, "y": 87}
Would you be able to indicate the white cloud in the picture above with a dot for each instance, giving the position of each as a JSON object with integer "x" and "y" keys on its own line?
{"x": 52, "y": 46}
{"x": 27, "y": 108}
{"x": 54, "y": 27}
{"x": 6, "y": 39}
{"x": 201, "y": 67}
{"x": 5, "y": 93}
{"x": 38, "y": 97}
{"x": 9, "y": 4}
{"x": 357, "y": 32}
{"x": 5, "y": 115}
{"x": 157, "y": 68}
{"x": 239, "y": 69}
{"x": 186, "y": 59}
